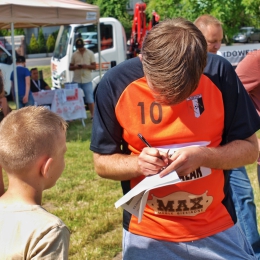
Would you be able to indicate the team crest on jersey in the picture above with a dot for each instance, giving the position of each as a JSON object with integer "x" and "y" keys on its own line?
{"x": 180, "y": 204}
{"x": 196, "y": 104}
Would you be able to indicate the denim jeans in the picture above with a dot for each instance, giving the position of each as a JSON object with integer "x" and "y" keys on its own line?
{"x": 243, "y": 198}
{"x": 88, "y": 92}
{"x": 29, "y": 103}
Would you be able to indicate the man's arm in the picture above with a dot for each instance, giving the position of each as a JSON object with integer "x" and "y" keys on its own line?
{"x": 184, "y": 161}
{"x": 92, "y": 66}
{"x": 74, "y": 67}
{"x": 232, "y": 155}
{"x": 27, "y": 89}
{"x": 125, "y": 167}
{"x": 46, "y": 87}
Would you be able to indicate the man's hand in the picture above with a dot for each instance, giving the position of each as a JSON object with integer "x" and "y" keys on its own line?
{"x": 151, "y": 161}
{"x": 25, "y": 99}
{"x": 185, "y": 160}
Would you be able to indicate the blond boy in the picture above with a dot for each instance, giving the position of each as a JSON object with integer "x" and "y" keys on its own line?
{"x": 33, "y": 145}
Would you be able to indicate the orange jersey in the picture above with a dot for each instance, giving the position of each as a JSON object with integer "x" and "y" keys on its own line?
{"x": 198, "y": 206}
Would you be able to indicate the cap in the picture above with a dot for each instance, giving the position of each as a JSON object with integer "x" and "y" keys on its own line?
{"x": 20, "y": 59}
{"x": 79, "y": 43}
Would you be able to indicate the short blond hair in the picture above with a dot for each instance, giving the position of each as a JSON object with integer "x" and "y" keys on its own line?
{"x": 206, "y": 19}
{"x": 174, "y": 55}
{"x": 26, "y": 134}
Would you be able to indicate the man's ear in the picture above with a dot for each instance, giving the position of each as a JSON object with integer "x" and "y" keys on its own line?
{"x": 140, "y": 57}
{"x": 45, "y": 169}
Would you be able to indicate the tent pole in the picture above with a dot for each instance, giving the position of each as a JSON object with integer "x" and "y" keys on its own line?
{"x": 99, "y": 50}
{"x": 14, "y": 68}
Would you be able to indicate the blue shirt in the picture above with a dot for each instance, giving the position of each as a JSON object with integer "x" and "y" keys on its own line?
{"x": 22, "y": 73}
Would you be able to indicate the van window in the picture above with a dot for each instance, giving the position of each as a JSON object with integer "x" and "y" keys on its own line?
{"x": 62, "y": 42}
{"x": 89, "y": 35}
{"x": 3, "y": 57}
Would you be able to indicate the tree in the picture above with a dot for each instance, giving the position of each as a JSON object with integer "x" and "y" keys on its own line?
{"x": 116, "y": 9}
{"x": 41, "y": 41}
{"x": 34, "y": 46}
{"x": 252, "y": 9}
{"x": 50, "y": 43}
{"x": 231, "y": 13}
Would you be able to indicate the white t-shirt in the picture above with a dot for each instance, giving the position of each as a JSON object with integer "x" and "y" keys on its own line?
{"x": 30, "y": 232}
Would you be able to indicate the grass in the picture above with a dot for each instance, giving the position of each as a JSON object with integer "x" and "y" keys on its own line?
{"x": 85, "y": 202}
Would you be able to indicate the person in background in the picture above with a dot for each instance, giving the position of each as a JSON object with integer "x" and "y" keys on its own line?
{"x": 25, "y": 97}
{"x": 33, "y": 145}
{"x": 3, "y": 100}
{"x": 212, "y": 30}
{"x": 82, "y": 63}
{"x": 175, "y": 94}
{"x": 242, "y": 192}
{"x": 248, "y": 72}
{"x": 37, "y": 84}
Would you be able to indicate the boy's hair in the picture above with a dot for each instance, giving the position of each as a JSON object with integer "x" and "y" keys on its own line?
{"x": 26, "y": 134}
{"x": 174, "y": 54}
{"x": 20, "y": 59}
{"x": 206, "y": 19}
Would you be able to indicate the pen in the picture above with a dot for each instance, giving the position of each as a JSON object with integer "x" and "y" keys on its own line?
{"x": 144, "y": 140}
{"x": 147, "y": 144}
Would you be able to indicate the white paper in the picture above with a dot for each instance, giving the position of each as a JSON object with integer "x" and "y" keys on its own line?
{"x": 135, "y": 200}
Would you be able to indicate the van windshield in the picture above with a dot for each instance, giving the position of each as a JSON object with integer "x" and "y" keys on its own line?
{"x": 89, "y": 35}
{"x": 62, "y": 42}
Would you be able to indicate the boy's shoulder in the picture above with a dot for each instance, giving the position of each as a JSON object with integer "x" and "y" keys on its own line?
{"x": 35, "y": 215}
{"x": 30, "y": 229}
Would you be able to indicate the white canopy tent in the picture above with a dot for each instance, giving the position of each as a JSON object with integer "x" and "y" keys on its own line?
{"x": 36, "y": 13}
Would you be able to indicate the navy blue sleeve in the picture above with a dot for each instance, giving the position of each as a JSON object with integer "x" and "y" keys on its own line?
{"x": 107, "y": 133}
{"x": 241, "y": 119}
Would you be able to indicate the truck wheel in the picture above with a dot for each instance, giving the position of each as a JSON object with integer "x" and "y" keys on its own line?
{"x": 249, "y": 40}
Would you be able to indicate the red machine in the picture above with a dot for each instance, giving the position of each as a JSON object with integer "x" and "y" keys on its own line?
{"x": 140, "y": 27}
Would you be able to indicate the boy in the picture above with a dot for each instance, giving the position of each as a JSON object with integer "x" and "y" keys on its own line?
{"x": 25, "y": 97}
{"x": 33, "y": 145}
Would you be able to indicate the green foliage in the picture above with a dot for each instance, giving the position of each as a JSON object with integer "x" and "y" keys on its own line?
{"x": 233, "y": 13}
{"x": 50, "y": 44}
{"x": 41, "y": 42}
{"x": 34, "y": 46}
{"x": 252, "y": 9}
{"x": 7, "y": 32}
{"x": 18, "y": 31}
{"x": 116, "y": 9}
{"x": 55, "y": 34}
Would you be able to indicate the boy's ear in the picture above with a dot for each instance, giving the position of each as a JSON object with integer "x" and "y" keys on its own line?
{"x": 140, "y": 57}
{"x": 45, "y": 169}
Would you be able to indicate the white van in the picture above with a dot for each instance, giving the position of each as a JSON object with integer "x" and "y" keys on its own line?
{"x": 6, "y": 67}
{"x": 111, "y": 54}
